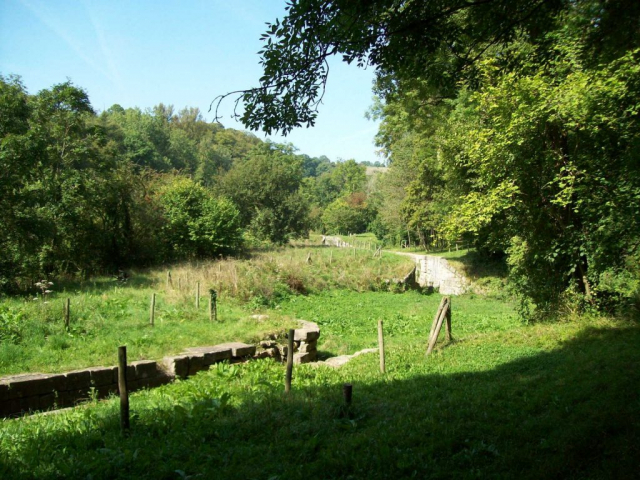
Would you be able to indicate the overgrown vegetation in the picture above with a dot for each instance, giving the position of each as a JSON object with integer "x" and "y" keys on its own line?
{"x": 509, "y": 123}
{"x": 543, "y": 401}
{"x": 106, "y": 313}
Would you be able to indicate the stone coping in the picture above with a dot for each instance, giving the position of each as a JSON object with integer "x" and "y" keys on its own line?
{"x": 21, "y": 394}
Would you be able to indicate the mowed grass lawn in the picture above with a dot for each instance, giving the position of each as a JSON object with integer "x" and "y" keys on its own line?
{"x": 503, "y": 400}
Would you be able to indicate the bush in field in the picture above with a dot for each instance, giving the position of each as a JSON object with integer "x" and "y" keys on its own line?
{"x": 198, "y": 224}
{"x": 266, "y": 188}
{"x": 347, "y": 214}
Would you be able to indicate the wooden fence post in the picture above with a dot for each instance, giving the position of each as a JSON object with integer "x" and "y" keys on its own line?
{"x": 152, "y": 310}
{"x": 381, "y": 347}
{"x": 67, "y": 313}
{"x": 122, "y": 388}
{"x": 443, "y": 301}
{"x": 448, "y": 330}
{"x": 347, "y": 393}
{"x": 213, "y": 306}
{"x": 287, "y": 384}
{"x": 169, "y": 282}
{"x": 436, "y": 331}
{"x": 197, "y": 294}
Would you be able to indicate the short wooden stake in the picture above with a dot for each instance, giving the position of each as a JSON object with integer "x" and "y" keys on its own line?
{"x": 213, "y": 307}
{"x": 287, "y": 384}
{"x": 309, "y": 258}
{"x": 347, "y": 393}
{"x": 197, "y": 294}
{"x": 381, "y": 347}
{"x": 152, "y": 310}
{"x": 67, "y": 313}
{"x": 169, "y": 282}
{"x": 179, "y": 283}
{"x": 354, "y": 252}
{"x": 122, "y": 388}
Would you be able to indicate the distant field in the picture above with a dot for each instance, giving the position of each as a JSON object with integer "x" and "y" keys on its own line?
{"x": 106, "y": 313}
{"x": 375, "y": 170}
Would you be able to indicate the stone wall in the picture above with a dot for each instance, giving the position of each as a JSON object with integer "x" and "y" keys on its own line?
{"x": 22, "y": 394}
{"x": 437, "y": 273}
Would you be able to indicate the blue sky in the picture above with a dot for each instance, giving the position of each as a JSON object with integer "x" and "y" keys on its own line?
{"x": 183, "y": 53}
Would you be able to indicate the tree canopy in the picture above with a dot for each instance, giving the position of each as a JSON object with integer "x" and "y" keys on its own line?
{"x": 512, "y": 124}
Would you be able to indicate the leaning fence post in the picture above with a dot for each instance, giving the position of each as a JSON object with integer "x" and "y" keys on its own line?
{"x": 448, "y": 330}
{"x": 381, "y": 347}
{"x": 436, "y": 332}
{"x": 122, "y": 388}
{"x": 287, "y": 384}
{"x": 435, "y": 319}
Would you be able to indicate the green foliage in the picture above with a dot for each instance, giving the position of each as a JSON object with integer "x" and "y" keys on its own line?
{"x": 349, "y": 214}
{"x": 266, "y": 188}
{"x": 86, "y": 194}
{"x": 10, "y": 324}
{"x": 484, "y": 406}
{"x": 106, "y": 313}
{"x": 197, "y": 224}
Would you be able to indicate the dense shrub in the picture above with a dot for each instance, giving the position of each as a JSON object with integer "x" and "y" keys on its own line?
{"x": 197, "y": 224}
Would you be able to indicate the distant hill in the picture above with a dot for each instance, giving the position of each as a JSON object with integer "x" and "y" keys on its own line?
{"x": 375, "y": 170}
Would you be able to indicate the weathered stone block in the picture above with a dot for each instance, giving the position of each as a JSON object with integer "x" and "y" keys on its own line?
{"x": 196, "y": 364}
{"x": 213, "y": 354}
{"x": 33, "y": 384}
{"x": 239, "y": 349}
{"x": 262, "y": 354}
{"x": 176, "y": 366}
{"x": 105, "y": 390}
{"x": 306, "y": 335}
{"x": 72, "y": 397}
{"x": 158, "y": 381}
{"x": 145, "y": 369}
{"x": 301, "y": 357}
{"x": 47, "y": 401}
{"x": 308, "y": 347}
{"x": 10, "y": 407}
{"x": 4, "y": 392}
{"x": 103, "y": 375}
{"x": 77, "y": 380}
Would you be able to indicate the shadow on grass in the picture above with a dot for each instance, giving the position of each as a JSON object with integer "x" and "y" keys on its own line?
{"x": 104, "y": 284}
{"x": 570, "y": 413}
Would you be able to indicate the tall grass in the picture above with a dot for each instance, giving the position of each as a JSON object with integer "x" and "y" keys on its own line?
{"x": 106, "y": 313}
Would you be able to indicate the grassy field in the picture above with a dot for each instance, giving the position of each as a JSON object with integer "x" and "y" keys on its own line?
{"x": 503, "y": 400}
{"x": 106, "y": 314}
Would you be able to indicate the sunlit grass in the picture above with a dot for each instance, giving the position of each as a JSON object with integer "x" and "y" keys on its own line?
{"x": 106, "y": 313}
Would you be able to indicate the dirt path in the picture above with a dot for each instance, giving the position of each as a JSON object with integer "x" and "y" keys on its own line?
{"x": 431, "y": 271}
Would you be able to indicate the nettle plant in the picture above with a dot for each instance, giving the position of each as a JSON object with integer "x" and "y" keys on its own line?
{"x": 44, "y": 287}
